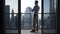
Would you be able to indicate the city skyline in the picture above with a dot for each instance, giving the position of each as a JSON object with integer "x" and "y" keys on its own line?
{"x": 26, "y": 3}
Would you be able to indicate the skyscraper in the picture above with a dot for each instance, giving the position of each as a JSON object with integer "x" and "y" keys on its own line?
{"x": 12, "y": 21}
{"x": 6, "y": 16}
{"x": 27, "y": 19}
{"x": 16, "y": 21}
{"x": 12, "y": 18}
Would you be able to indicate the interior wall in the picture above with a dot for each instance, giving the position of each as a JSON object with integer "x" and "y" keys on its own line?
{"x": 1, "y": 16}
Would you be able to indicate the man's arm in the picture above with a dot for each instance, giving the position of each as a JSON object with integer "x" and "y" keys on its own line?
{"x": 33, "y": 9}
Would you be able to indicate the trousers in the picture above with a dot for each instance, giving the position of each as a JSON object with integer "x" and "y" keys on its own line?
{"x": 35, "y": 22}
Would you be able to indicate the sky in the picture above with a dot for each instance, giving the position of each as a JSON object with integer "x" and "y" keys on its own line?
{"x": 26, "y": 3}
{"x": 29, "y": 3}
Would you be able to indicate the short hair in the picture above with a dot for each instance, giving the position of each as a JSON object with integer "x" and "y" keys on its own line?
{"x": 36, "y": 1}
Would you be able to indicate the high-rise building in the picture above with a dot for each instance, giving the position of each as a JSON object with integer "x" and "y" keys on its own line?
{"x": 12, "y": 18}
{"x": 6, "y": 16}
{"x": 27, "y": 19}
{"x": 16, "y": 21}
{"x": 12, "y": 21}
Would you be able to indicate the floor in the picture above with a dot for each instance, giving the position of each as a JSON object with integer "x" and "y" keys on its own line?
{"x": 28, "y": 32}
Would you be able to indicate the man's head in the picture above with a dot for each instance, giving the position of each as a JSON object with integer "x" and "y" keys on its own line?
{"x": 36, "y": 2}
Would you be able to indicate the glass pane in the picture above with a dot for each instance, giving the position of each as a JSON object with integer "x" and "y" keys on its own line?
{"x": 11, "y": 23}
{"x": 55, "y": 4}
{"x": 11, "y": 5}
{"x": 49, "y": 23}
{"x": 39, "y": 21}
{"x": 27, "y": 21}
{"x": 46, "y": 6}
{"x": 27, "y": 15}
{"x": 27, "y": 5}
{"x": 50, "y": 6}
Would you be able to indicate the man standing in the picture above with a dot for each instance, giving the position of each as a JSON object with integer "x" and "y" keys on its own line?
{"x": 35, "y": 18}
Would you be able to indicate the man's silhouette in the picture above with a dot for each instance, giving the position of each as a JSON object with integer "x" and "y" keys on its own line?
{"x": 35, "y": 18}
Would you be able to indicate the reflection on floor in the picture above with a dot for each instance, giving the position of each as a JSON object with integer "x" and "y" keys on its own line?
{"x": 28, "y": 32}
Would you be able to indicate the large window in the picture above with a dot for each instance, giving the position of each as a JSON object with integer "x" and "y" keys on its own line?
{"x": 49, "y": 16}
{"x": 27, "y": 14}
{"x": 11, "y": 16}
{"x": 46, "y": 21}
